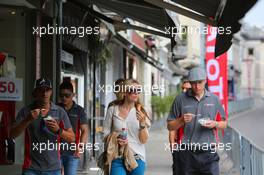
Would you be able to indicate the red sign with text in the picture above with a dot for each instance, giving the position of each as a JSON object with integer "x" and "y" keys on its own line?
{"x": 216, "y": 69}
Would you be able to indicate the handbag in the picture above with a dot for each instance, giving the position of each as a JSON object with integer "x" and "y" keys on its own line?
{"x": 103, "y": 156}
{"x": 101, "y": 160}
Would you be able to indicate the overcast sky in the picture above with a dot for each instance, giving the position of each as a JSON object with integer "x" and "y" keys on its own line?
{"x": 256, "y": 15}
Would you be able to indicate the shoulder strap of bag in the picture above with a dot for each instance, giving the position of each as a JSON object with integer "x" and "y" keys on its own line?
{"x": 112, "y": 119}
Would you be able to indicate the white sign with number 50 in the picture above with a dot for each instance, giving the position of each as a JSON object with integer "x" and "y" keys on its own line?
{"x": 11, "y": 89}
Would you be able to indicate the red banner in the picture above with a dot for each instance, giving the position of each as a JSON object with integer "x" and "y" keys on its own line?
{"x": 216, "y": 69}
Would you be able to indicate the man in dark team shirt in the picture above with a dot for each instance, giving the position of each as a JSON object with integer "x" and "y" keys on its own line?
{"x": 44, "y": 124}
{"x": 79, "y": 122}
{"x": 201, "y": 114}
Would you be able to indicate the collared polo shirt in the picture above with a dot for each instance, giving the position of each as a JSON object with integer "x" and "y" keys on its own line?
{"x": 208, "y": 107}
{"x": 42, "y": 151}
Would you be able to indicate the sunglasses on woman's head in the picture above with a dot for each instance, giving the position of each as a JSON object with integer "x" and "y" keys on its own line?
{"x": 134, "y": 91}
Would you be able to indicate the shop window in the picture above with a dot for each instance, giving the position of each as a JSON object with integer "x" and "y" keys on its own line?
{"x": 250, "y": 51}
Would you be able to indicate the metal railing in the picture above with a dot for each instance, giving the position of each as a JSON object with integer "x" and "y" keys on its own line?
{"x": 246, "y": 158}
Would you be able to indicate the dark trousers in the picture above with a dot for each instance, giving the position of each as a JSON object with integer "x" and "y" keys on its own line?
{"x": 11, "y": 149}
{"x": 176, "y": 165}
{"x": 198, "y": 163}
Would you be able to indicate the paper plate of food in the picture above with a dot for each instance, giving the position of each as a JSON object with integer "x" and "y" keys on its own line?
{"x": 203, "y": 121}
{"x": 48, "y": 118}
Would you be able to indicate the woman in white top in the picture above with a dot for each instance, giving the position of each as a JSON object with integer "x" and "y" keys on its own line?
{"x": 129, "y": 114}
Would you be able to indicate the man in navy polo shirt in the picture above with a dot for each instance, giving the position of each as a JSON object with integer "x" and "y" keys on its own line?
{"x": 79, "y": 122}
{"x": 45, "y": 124}
{"x": 197, "y": 154}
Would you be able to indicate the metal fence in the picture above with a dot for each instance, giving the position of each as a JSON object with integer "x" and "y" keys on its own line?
{"x": 232, "y": 157}
{"x": 257, "y": 161}
{"x": 246, "y": 158}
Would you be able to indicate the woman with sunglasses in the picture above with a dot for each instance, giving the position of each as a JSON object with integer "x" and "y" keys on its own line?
{"x": 129, "y": 115}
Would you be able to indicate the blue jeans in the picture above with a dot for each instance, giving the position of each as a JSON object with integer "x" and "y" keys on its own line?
{"x": 35, "y": 172}
{"x": 70, "y": 164}
{"x": 118, "y": 168}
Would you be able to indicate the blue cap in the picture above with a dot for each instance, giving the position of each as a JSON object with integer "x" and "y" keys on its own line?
{"x": 196, "y": 74}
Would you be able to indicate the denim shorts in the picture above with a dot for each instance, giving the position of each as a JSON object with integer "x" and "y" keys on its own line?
{"x": 118, "y": 168}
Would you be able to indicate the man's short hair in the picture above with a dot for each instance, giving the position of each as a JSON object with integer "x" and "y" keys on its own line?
{"x": 66, "y": 85}
{"x": 119, "y": 81}
{"x": 184, "y": 79}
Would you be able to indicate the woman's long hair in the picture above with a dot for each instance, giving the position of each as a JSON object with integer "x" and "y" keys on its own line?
{"x": 138, "y": 104}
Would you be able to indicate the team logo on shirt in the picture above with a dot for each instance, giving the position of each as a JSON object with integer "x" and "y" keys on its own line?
{"x": 188, "y": 106}
{"x": 208, "y": 104}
